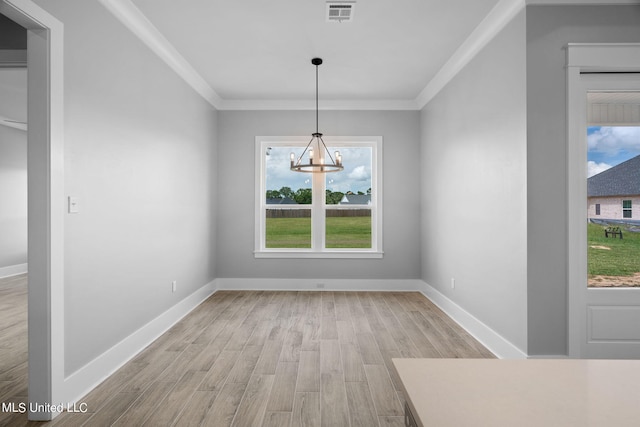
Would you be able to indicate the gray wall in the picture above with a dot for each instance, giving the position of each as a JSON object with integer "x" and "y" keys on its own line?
{"x": 140, "y": 156}
{"x": 401, "y": 189}
{"x": 13, "y": 169}
{"x": 549, "y": 29}
{"x": 474, "y": 213}
{"x": 13, "y": 197}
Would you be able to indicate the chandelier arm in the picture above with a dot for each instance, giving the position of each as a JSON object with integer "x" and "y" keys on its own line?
{"x": 327, "y": 150}
{"x": 305, "y": 150}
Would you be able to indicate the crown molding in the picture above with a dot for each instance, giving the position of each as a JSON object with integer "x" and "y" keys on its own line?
{"x": 309, "y": 104}
{"x": 501, "y": 14}
{"x": 132, "y": 18}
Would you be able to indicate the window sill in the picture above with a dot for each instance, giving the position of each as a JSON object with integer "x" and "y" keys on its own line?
{"x": 325, "y": 254}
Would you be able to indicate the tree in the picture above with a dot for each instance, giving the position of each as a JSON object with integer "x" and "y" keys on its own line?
{"x": 303, "y": 196}
{"x": 273, "y": 194}
{"x": 287, "y": 192}
{"x": 333, "y": 198}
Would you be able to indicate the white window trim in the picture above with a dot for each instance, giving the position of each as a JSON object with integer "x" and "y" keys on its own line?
{"x": 376, "y": 200}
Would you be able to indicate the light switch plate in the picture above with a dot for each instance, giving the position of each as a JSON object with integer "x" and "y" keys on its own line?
{"x": 73, "y": 204}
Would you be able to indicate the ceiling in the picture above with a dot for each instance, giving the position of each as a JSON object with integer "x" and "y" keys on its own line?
{"x": 256, "y": 54}
{"x": 257, "y": 50}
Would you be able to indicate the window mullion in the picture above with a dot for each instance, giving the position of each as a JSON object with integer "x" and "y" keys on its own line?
{"x": 317, "y": 212}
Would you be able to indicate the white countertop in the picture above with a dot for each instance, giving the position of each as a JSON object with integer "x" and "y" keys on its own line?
{"x": 490, "y": 392}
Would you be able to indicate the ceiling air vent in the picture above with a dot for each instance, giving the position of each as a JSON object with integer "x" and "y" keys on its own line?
{"x": 340, "y": 11}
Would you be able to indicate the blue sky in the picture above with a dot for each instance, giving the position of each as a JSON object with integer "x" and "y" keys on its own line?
{"x": 355, "y": 177}
{"x": 609, "y": 146}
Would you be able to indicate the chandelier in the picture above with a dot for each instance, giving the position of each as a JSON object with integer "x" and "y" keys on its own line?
{"x": 320, "y": 159}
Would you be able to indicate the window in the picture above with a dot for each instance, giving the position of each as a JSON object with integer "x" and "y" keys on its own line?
{"x": 626, "y": 209}
{"x": 597, "y": 208}
{"x": 332, "y": 215}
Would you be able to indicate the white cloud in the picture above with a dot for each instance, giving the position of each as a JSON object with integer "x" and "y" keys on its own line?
{"x": 594, "y": 168}
{"x": 360, "y": 173}
{"x": 613, "y": 139}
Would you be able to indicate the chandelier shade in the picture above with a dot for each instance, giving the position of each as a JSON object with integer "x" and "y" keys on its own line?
{"x": 320, "y": 159}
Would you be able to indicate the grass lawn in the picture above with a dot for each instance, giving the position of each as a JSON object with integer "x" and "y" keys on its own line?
{"x": 288, "y": 233}
{"x": 348, "y": 232}
{"x": 621, "y": 259}
{"x": 341, "y": 232}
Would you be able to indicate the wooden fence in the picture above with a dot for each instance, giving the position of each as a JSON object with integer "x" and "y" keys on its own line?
{"x": 306, "y": 213}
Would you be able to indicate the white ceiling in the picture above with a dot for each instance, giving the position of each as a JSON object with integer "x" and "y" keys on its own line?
{"x": 255, "y": 54}
{"x": 261, "y": 50}
{"x": 257, "y": 49}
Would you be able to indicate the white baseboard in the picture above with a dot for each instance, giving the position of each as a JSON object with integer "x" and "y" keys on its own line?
{"x": 318, "y": 284}
{"x": 497, "y": 344}
{"x": 13, "y": 270}
{"x": 81, "y": 382}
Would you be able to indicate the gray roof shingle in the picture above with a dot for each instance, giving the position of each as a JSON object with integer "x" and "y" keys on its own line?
{"x": 620, "y": 180}
{"x": 281, "y": 201}
{"x": 355, "y": 199}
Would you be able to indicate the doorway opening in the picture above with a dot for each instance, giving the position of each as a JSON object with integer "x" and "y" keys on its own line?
{"x": 13, "y": 216}
{"x": 45, "y": 176}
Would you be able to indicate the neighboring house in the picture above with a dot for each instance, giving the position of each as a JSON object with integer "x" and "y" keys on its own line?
{"x": 281, "y": 201}
{"x": 356, "y": 199}
{"x": 615, "y": 193}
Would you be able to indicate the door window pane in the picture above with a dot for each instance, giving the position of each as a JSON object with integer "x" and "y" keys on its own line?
{"x": 613, "y": 252}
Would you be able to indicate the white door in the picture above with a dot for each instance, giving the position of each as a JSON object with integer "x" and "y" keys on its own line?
{"x": 604, "y": 302}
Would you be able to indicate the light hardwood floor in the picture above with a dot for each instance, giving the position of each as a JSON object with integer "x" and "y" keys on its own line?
{"x": 13, "y": 342}
{"x": 258, "y": 358}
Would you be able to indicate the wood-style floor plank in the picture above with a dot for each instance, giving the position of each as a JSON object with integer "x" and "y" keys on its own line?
{"x": 225, "y": 406}
{"x": 284, "y": 387}
{"x": 333, "y": 399}
{"x": 308, "y": 378}
{"x": 277, "y": 419}
{"x": 306, "y": 410}
{"x": 250, "y": 412}
{"x": 299, "y": 359}
{"x": 145, "y": 405}
{"x": 13, "y": 345}
{"x": 112, "y": 410}
{"x": 173, "y": 404}
{"x": 361, "y": 409}
{"x": 196, "y": 409}
{"x": 384, "y": 396}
